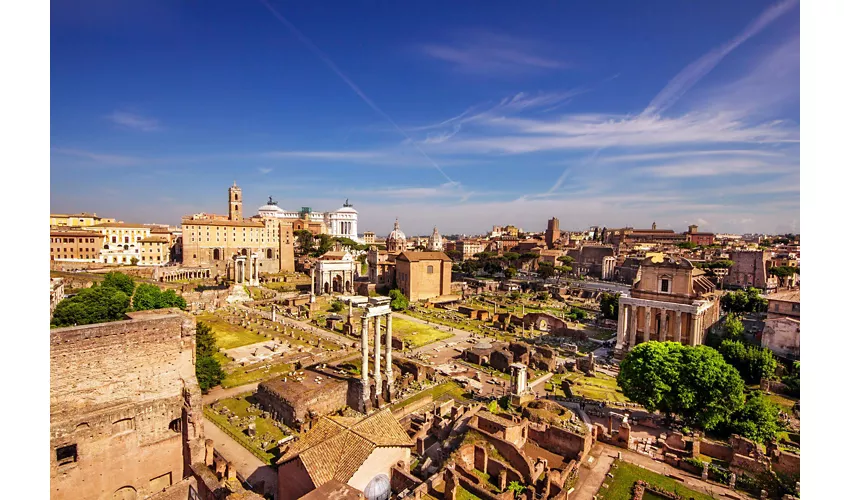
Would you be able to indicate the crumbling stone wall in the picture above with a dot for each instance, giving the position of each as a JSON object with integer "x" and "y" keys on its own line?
{"x": 560, "y": 441}
{"x": 125, "y": 407}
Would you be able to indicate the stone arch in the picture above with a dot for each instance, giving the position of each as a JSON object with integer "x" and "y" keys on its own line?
{"x": 245, "y": 251}
{"x": 337, "y": 283}
{"x": 348, "y": 286}
{"x": 217, "y": 254}
{"x": 542, "y": 324}
{"x": 327, "y": 287}
{"x": 83, "y": 426}
{"x": 124, "y": 493}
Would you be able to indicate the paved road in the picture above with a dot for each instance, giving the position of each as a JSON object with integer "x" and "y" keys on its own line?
{"x": 249, "y": 466}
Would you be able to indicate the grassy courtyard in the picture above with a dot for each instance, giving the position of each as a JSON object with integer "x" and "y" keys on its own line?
{"x": 450, "y": 387}
{"x": 416, "y": 334}
{"x": 228, "y": 335}
{"x": 247, "y": 374}
{"x": 600, "y": 387}
{"x": 246, "y": 412}
{"x": 625, "y": 475}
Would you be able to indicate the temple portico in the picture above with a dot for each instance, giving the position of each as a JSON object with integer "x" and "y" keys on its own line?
{"x": 246, "y": 271}
{"x": 384, "y": 390}
{"x": 181, "y": 273}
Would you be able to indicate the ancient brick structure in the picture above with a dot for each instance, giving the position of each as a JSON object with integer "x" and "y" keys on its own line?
{"x": 125, "y": 407}
{"x": 298, "y": 400}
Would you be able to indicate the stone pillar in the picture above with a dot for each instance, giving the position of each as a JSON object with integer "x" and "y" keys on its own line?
{"x": 231, "y": 471}
{"x": 662, "y": 335}
{"x": 378, "y": 385}
{"x": 621, "y": 326}
{"x": 677, "y": 331}
{"x": 693, "y": 325}
{"x": 632, "y": 325}
{"x": 647, "y": 321}
{"x": 389, "y": 336}
{"x": 364, "y": 350}
{"x": 312, "y": 281}
{"x": 209, "y": 452}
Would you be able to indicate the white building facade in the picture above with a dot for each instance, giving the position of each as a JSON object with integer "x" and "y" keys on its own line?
{"x": 340, "y": 223}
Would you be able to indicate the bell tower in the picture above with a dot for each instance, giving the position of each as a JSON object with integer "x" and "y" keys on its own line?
{"x": 235, "y": 195}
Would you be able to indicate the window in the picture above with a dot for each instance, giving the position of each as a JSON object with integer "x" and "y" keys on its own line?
{"x": 665, "y": 285}
{"x": 66, "y": 454}
{"x": 795, "y": 307}
{"x": 126, "y": 239}
{"x": 430, "y": 269}
{"x": 176, "y": 425}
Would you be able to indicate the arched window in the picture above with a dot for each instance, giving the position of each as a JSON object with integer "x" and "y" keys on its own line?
{"x": 269, "y": 253}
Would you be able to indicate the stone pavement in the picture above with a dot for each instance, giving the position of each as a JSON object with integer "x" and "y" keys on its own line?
{"x": 249, "y": 467}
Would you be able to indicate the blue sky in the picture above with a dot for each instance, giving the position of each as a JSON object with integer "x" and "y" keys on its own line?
{"x": 462, "y": 115}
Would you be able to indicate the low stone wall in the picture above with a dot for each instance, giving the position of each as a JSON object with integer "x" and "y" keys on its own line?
{"x": 719, "y": 451}
{"x": 787, "y": 463}
{"x": 560, "y": 441}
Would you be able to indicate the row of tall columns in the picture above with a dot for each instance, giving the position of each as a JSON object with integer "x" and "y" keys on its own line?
{"x": 628, "y": 325}
{"x": 364, "y": 351}
{"x": 186, "y": 275}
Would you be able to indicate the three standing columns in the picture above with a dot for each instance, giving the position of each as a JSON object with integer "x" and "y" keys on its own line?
{"x": 384, "y": 387}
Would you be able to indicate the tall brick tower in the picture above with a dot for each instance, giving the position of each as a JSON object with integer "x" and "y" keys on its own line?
{"x": 553, "y": 232}
{"x": 235, "y": 195}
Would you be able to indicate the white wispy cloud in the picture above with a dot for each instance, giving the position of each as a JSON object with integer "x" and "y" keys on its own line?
{"x": 264, "y": 170}
{"x": 696, "y": 70}
{"x": 101, "y": 158}
{"x": 644, "y": 157}
{"x": 714, "y": 168}
{"x": 485, "y": 52}
{"x": 134, "y": 121}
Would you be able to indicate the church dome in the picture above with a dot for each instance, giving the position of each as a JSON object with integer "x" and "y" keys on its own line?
{"x": 378, "y": 488}
{"x": 271, "y": 206}
{"x": 397, "y": 234}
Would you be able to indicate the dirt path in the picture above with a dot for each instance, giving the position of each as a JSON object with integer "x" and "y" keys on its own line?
{"x": 248, "y": 466}
{"x": 217, "y": 392}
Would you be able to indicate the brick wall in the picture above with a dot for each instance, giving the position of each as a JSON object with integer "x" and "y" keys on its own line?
{"x": 125, "y": 395}
{"x": 560, "y": 441}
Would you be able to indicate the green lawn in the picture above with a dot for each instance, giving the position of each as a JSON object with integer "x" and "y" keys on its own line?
{"x": 267, "y": 430}
{"x": 625, "y": 476}
{"x": 416, "y": 334}
{"x": 228, "y": 335}
{"x": 463, "y": 494}
{"x": 601, "y": 387}
{"x": 241, "y": 375}
{"x": 785, "y": 402}
{"x": 450, "y": 387}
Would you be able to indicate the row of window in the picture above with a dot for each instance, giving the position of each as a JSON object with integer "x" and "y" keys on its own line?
{"x": 71, "y": 240}
{"x": 158, "y": 257}
{"x": 71, "y": 250}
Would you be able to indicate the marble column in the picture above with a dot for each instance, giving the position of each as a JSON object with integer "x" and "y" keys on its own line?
{"x": 377, "y": 355}
{"x": 632, "y": 325}
{"x": 390, "y": 347}
{"x": 662, "y": 335}
{"x": 647, "y": 321}
{"x": 621, "y": 326}
{"x": 677, "y": 331}
{"x": 693, "y": 325}
{"x": 364, "y": 350}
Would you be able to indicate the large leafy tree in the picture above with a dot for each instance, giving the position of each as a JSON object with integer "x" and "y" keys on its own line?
{"x": 149, "y": 296}
{"x": 758, "y": 419}
{"x": 120, "y": 281}
{"x": 545, "y": 270}
{"x": 92, "y": 305}
{"x": 733, "y": 328}
{"x": 743, "y": 301}
{"x": 694, "y": 383}
{"x": 754, "y": 363}
{"x": 207, "y": 368}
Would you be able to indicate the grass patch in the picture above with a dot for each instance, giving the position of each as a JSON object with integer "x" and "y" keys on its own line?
{"x": 463, "y": 494}
{"x": 450, "y": 387}
{"x": 228, "y": 335}
{"x": 281, "y": 286}
{"x": 249, "y": 374}
{"x": 600, "y": 387}
{"x": 416, "y": 334}
{"x": 625, "y": 476}
{"x": 784, "y": 402}
{"x": 267, "y": 429}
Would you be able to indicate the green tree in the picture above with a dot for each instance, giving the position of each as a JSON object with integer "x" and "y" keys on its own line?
{"x": 544, "y": 296}
{"x": 305, "y": 240}
{"x": 399, "y": 302}
{"x": 120, "y": 281}
{"x": 609, "y": 305}
{"x": 758, "y": 419}
{"x": 454, "y": 254}
{"x": 169, "y": 298}
{"x": 516, "y": 294}
{"x": 733, "y": 328}
{"x": 97, "y": 304}
{"x": 510, "y": 272}
{"x": 545, "y": 270}
{"x": 207, "y": 369}
{"x": 337, "y": 306}
{"x": 563, "y": 271}
{"x": 743, "y": 301}
{"x": 326, "y": 242}
{"x": 754, "y": 363}
{"x": 688, "y": 245}
{"x": 693, "y": 382}
{"x": 792, "y": 379}
{"x": 517, "y": 488}
{"x": 147, "y": 296}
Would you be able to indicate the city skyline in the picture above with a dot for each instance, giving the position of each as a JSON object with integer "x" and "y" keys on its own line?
{"x": 688, "y": 115}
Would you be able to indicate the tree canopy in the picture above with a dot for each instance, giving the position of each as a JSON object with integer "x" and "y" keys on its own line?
{"x": 693, "y": 382}
{"x": 120, "y": 281}
{"x": 758, "y": 419}
{"x": 545, "y": 270}
{"x": 399, "y": 302}
{"x": 609, "y": 305}
{"x": 744, "y": 301}
{"x": 207, "y": 368}
{"x": 753, "y": 363}
{"x": 149, "y": 296}
{"x": 97, "y": 304}
{"x": 783, "y": 271}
